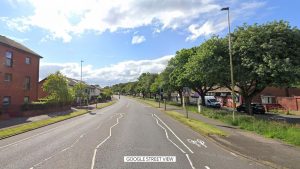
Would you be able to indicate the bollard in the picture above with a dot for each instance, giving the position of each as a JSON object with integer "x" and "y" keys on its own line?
{"x": 165, "y": 104}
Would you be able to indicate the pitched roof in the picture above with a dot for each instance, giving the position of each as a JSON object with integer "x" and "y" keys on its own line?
{"x": 11, "y": 43}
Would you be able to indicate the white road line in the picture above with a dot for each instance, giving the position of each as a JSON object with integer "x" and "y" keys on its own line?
{"x": 95, "y": 151}
{"x": 168, "y": 135}
{"x": 207, "y": 167}
{"x": 65, "y": 149}
{"x": 19, "y": 141}
{"x": 186, "y": 154}
{"x": 173, "y": 133}
{"x": 233, "y": 154}
{"x": 188, "y": 157}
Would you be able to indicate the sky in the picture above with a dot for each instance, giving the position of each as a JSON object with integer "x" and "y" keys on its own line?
{"x": 117, "y": 40}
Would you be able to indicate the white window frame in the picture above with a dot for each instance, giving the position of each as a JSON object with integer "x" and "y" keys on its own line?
{"x": 28, "y": 60}
{"x": 9, "y": 58}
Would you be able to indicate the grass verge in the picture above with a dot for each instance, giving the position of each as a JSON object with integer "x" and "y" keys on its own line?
{"x": 196, "y": 125}
{"x": 289, "y": 133}
{"x": 100, "y": 106}
{"x": 4, "y": 133}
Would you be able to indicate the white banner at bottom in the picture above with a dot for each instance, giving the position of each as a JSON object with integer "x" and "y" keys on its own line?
{"x": 150, "y": 159}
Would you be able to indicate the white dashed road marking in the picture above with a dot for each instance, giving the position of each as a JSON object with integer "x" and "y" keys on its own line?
{"x": 95, "y": 151}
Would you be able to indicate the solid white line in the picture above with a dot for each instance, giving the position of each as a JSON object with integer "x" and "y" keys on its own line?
{"x": 188, "y": 157}
{"x": 233, "y": 154}
{"x": 174, "y": 133}
{"x": 168, "y": 135}
{"x": 65, "y": 149}
{"x": 207, "y": 167}
{"x": 95, "y": 150}
{"x": 15, "y": 143}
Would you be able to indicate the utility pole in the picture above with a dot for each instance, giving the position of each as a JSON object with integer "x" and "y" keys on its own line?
{"x": 231, "y": 64}
{"x": 81, "y": 93}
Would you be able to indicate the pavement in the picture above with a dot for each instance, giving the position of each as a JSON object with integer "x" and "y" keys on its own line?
{"x": 21, "y": 120}
{"x": 104, "y": 137}
{"x": 271, "y": 152}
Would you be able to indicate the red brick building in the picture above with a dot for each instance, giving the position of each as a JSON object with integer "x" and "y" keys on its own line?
{"x": 19, "y": 75}
{"x": 288, "y": 98}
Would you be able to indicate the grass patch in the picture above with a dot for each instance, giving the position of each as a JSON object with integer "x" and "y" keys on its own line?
{"x": 100, "y": 106}
{"x": 196, "y": 125}
{"x": 150, "y": 102}
{"x": 289, "y": 133}
{"x": 4, "y": 133}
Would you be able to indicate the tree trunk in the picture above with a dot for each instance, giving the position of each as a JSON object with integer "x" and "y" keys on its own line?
{"x": 203, "y": 99}
{"x": 180, "y": 95}
{"x": 287, "y": 93}
{"x": 248, "y": 107}
{"x": 202, "y": 95}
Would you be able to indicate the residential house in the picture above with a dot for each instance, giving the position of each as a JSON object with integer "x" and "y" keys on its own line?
{"x": 19, "y": 75}
{"x": 270, "y": 97}
{"x": 94, "y": 92}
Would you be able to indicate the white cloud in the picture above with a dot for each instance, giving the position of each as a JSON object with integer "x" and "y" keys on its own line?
{"x": 208, "y": 28}
{"x": 68, "y": 18}
{"x": 137, "y": 39}
{"x": 121, "y": 72}
{"x": 218, "y": 22}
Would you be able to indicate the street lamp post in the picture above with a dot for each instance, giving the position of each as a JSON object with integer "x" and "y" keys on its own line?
{"x": 81, "y": 93}
{"x": 231, "y": 64}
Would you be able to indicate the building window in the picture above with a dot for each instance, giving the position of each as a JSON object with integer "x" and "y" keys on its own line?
{"x": 27, "y": 60}
{"x": 8, "y": 77}
{"x": 26, "y": 99}
{"x": 8, "y": 58}
{"x": 267, "y": 99}
{"x": 27, "y": 83}
{"x": 6, "y": 101}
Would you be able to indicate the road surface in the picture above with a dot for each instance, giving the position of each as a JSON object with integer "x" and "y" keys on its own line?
{"x": 105, "y": 138}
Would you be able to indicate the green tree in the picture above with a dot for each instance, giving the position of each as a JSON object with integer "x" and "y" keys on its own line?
{"x": 157, "y": 86}
{"x": 176, "y": 69}
{"x": 264, "y": 55}
{"x": 57, "y": 87}
{"x": 79, "y": 90}
{"x": 202, "y": 72}
{"x": 144, "y": 82}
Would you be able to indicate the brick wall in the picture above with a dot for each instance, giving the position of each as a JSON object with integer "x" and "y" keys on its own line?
{"x": 289, "y": 103}
{"x": 277, "y": 92}
{"x": 41, "y": 92}
{"x": 19, "y": 70}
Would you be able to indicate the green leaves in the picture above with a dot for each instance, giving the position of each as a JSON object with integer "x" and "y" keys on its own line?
{"x": 57, "y": 87}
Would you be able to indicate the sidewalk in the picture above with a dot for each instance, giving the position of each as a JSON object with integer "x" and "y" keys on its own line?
{"x": 22, "y": 120}
{"x": 249, "y": 144}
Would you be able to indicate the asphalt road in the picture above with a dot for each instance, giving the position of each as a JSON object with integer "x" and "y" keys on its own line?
{"x": 103, "y": 137}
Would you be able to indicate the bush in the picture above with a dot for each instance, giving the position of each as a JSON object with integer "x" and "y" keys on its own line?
{"x": 40, "y": 105}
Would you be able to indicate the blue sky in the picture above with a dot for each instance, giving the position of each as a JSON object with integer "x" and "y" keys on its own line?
{"x": 119, "y": 40}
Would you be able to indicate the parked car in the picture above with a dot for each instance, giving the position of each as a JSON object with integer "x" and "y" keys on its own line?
{"x": 256, "y": 108}
{"x": 211, "y": 101}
